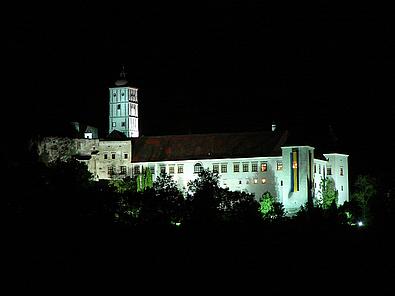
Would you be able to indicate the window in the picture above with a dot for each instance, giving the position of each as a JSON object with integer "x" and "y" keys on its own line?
{"x": 215, "y": 168}
{"x": 152, "y": 169}
{"x": 315, "y": 168}
{"x": 119, "y": 107}
{"x": 319, "y": 169}
{"x": 136, "y": 169}
{"x": 236, "y": 168}
{"x": 263, "y": 166}
{"x": 329, "y": 171}
{"x": 255, "y": 181}
{"x": 281, "y": 183}
{"x": 162, "y": 169}
{"x": 263, "y": 180}
{"x": 342, "y": 187}
{"x": 171, "y": 169}
{"x": 113, "y": 156}
{"x": 341, "y": 171}
{"x": 294, "y": 164}
{"x": 114, "y": 124}
{"x": 224, "y": 168}
{"x": 125, "y": 156}
{"x": 279, "y": 165}
{"x": 123, "y": 170}
{"x": 254, "y": 167}
{"x": 110, "y": 170}
{"x": 245, "y": 167}
{"x": 105, "y": 156}
{"x": 240, "y": 182}
{"x": 197, "y": 168}
{"x": 180, "y": 169}
{"x": 123, "y": 123}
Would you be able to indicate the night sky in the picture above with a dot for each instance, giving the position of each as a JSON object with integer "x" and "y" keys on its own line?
{"x": 211, "y": 66}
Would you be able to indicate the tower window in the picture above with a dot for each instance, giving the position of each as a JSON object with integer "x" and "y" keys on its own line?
{"x": 125, "y": 156}
{"x": 119, "y": 107}
{"x": 123, "y": 123}
{"x": 329, "y": 171}
{"x": 105, "y": 156}
{"x": 114, "y": 124}
{"x": 341, "y": 171}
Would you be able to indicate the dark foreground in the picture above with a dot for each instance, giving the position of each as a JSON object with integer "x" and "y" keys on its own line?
{"x": 272, "y": 259}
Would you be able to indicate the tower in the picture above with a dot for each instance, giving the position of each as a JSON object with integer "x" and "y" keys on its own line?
{"x": 123, "y": 104}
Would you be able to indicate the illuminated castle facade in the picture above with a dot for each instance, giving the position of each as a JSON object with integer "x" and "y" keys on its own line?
{"x": 254, "y": 162}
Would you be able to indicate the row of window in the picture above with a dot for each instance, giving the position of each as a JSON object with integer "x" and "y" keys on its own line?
{"x": 111, "y": 170}
{"x": 131, "y": 93}
{"x": 114, "y": 124}
{"x": 245, "y": 166}
{"x": 223, "y": 168}
{"x": 328, "y": 170}
{"x": 113, "y": 155}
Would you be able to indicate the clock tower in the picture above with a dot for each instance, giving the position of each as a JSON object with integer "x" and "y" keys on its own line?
{"x": 123, "y": 104}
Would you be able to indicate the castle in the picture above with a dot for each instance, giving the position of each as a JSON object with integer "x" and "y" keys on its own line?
{"x": 254, "y": 162}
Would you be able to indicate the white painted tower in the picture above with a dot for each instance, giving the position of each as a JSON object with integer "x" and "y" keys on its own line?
{"x": 123, "y": 104}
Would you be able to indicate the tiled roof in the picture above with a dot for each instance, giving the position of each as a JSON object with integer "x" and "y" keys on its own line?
{"x": 208, "y": 146}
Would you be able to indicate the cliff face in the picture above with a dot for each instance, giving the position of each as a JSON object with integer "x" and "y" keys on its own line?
{"x": 51, "y": 149}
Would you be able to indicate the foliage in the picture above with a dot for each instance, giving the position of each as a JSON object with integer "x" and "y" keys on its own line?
{"x": 270, "y": 208}
{"x": 144, "y": 180}
{"x": 210, "y": 204}
{"x": 328, "y": 192}
{"x": 363, "y": 192}
{"x": 122, "y": 185}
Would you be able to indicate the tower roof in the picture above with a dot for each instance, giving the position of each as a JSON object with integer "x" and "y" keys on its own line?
{"x": 122, "y": 81}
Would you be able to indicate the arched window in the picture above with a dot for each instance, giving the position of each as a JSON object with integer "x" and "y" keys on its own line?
{"x": 197, "y": 168}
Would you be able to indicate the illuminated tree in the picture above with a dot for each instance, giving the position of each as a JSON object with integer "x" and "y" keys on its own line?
{"x": 328, "y": 192}
{"x": 270, "y": 208}
{"x": 364, "y": 191}
{"x": 144, "y": 180}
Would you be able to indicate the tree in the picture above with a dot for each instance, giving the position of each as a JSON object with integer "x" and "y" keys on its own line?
{"x": 328, "y": 192}
{"x": 364, "y": 191}
{"x": 122, "y": 185}
{"x": 270, "y": 208}
{"x": 211, "y": 204}
{"x": 144, "y": 180}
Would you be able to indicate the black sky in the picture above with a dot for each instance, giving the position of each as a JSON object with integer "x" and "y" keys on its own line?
{"x": 208, "y": 66}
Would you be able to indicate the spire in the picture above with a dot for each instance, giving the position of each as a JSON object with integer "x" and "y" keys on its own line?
{"x": 122, "y": 78}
